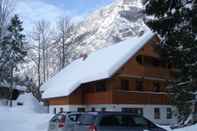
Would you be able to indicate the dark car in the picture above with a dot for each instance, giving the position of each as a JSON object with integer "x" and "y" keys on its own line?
{"x": 114, "y": 121}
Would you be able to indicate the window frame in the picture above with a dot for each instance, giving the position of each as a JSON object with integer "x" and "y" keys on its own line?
{"x": 157, "y": 87}
{"x": 157, "y": 113}
{"x": 140, "y": 59}
{"x": 81, "y": 109}
{"x": 61, "y": 109}
{"x": 139, "y": 85}
{"x": 55, "y": 110}
{"x": 169, "y": 113}
{"x": 101, "y": 86}
{"x": 125, "y": 84}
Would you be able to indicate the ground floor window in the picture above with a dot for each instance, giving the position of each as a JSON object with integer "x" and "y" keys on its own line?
{"x": 103, "y": 109}
{"x": 61, "y": 110}
{"x": 93, "y": 109}
{"x": 81, "y": 109}
{"x": 169, "y": 113}
{"x": 54, "y": 110}
{"x": 138, "y": 111}
{"x": 157, "y": 113}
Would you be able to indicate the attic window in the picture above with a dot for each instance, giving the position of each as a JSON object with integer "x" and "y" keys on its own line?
{"x": 139, "y": 59}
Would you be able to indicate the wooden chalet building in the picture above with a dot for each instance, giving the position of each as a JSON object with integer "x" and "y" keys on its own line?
{"x": 127, "y": 76}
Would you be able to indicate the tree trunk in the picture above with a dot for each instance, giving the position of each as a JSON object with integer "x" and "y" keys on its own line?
{"x": 11, "y": 87}
{"x": 39, "y": 61}
{"x": 63, "y": 49}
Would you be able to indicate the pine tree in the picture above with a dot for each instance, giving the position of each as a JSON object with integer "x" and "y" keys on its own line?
{"x": 13, "y": 52}
{"x": 175, "y": 22}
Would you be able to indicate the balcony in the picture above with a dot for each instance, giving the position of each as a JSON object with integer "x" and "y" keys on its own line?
{"x": 139, "y": 97}
{"x": 157, "y": 72}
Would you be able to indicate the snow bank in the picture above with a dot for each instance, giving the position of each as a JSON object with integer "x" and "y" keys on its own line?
{"x": 24, "y": 117}
{"x": 29, "y": 103}
{"x": 189, "y": 128}
{"x": 15, "y": 119}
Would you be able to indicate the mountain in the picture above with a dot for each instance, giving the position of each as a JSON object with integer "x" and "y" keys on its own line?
{"x": 111, "y": 24}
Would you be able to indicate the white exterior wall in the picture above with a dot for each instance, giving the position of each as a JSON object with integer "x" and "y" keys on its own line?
{"x": 148, "y": 110}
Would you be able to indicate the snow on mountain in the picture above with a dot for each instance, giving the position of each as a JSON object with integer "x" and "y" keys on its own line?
{"x": 111, "y": 24}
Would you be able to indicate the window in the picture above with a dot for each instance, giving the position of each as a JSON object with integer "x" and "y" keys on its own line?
{"x": 139, "y": 59}
{"x": 139, "y": 85}
{"x": 155, "y": 62}
{"x": 54, "y": 110}
{"x": 103, "y": 109}
{"x": 169, "y": 113}
{"x": 61, "y": 110}
{"x": 134, "y": 111}
{"x": 93, "y": 109}
{"x": 140, "y": 122}
{"x": 73, "y": 117}
{"x": 156, "y": 87}
{"x": 170, "y": 65}
{"x": 81, "y": 109}
{"x": 111, "y": 120}
{"x": 125, "y": 84}
{"x": 87, "y": 119}
{"x": 101, "y": 86}
{"x": 19, "y": 103}
{"x": 157, "y": 113}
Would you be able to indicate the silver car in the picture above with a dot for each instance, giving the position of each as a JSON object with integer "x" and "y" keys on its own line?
{"x": 114, "y": 121}
{"x": 63, "y": 121}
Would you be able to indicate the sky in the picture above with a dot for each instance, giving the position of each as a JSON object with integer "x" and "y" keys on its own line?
{"x": 32, "y": 11}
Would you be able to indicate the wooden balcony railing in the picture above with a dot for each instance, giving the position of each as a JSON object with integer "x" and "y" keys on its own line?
{"x": 139, "y": 97}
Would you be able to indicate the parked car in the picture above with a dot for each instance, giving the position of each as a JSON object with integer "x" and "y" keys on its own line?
{"x": 63, "y": 121}
{"x": 114, "y": 121}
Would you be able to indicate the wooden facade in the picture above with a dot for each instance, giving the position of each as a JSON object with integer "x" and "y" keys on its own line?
{"x": 142, "y": 80}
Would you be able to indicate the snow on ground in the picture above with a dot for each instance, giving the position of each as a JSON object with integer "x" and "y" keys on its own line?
{"x": 19, "y": 120}
{"x": 23, "y": 118}
{"x": 189, "y": 128}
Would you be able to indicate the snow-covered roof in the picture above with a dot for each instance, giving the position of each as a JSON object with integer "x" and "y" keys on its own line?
{"x": 98, "y": 65}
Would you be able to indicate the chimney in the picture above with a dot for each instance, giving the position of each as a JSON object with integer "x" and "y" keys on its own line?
{"x": 84, "y": 56}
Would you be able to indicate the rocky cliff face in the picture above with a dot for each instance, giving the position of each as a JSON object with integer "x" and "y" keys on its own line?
{"x": 111, "y": 24}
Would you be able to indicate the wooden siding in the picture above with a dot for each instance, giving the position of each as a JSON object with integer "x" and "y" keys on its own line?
{"x": 125, "y": 97}
{"x": 98, "y": 98}
{"x": 58, "y": 101}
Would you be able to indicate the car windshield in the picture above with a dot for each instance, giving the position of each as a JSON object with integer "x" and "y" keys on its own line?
{"x": 58, "y": 117}
{"x": 74, "y": 117}
{"x": 87, "y": 119}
